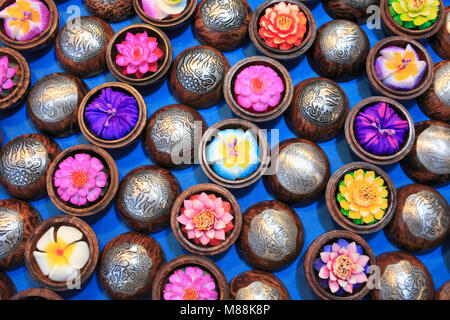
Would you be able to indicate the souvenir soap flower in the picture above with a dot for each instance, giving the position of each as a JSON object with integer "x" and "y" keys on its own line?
{"x": 190, "y": 284}
{"x": 363, "y": 197}
{"x": 233, "y": 154}
{"x": 138, "y": 54}
{"x": 414, "y": 14}
{"x": 112, "y": 114}
{"x": 61, "y": 258}
{"x": 206, "y": 219}
{"x": 380, "y": 130}
{"x": 25, "y": 19}
{"x": 6, "y": 75}
{"x": 161, "y": 9}
{"x": 398, "y": 68}
{"x": 342, "y": 267}
{"x": 80, "y": 179}
{"x": 258, "y": 88}
{"x": 283, "y": 26}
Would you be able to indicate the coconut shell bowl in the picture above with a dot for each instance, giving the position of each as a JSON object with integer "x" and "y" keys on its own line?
{"x": 257, "y": 285}
{"x": 440, "y": 41}
{"x": 36, "y": 294}
{"x": 356, "y": 11}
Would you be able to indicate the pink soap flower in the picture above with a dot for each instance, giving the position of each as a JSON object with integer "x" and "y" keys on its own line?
{"x": 258, "y": 88}
{"x": 80, "y": 179}
{"x": 192, "y": 284}
{"x": 138, "y": 54}
{"x": 6, "y": 74}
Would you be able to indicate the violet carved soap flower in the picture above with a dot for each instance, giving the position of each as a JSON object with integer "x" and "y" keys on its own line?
{"x": 342, "y": 267}
{"x": 6, "y": 75}
{"x": 380, "y": 130}
{"x": 258, "y": 88}
{"x": 112, "y": 114}
{"x": 80, "y": 179}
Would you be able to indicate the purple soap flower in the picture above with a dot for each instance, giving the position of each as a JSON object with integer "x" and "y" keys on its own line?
{"x": 112, "y": 114}
{"x": 380, "y": 130}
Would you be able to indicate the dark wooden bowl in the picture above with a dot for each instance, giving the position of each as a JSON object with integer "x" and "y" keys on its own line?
{"x": 444, "y": 292}
{"x": 19, "y": 219}
{"x": 349, "y": 10}
{"x": 24, "y": 163}
{"x": 301, "y": 170}
{"x": 43, "y": 40}
{"x": 172, "y": 134}
{"x": 257, "y": 285}
{"x": 163, "y": 64}
{"x": 421, "y": 221}
{"x": 168, "y": 23}
{"x": 313, "y": 253}
{"x": 7, "y": 287}
{"x": 222, "y": 25}
{"x": 440, "y": 41}
{"x": 111, "y": 11}
{"x": 428, "y": 162}
{"x": 132, "y": 135}
{"x": 58, "y": 221}
{"x": 400, "y": 270}
{"x": 378, "y": 86}
{"x": 235, "y": 211}
{"x": 276, "y": 53}
{"x": 197, "y": 77}
{"x": 339, "y": 51}
{"x": 333, "y": 205}
{"x": 145, "y": 198}
{"x": 230, "y": 97}
{"x": 435, "y": 102}
{"x": 77, "y": 58}
{"x": 17, "y": 96}
{"x": 185, "y": 261}
{"x": 365, "y": 155}
{"x": 264, "y": 152}
{"x": 53, "y": 103}
{"x": 37, "y": 294}
{"x": 318, "y": 109}
{"x": 138, "y": 257}
{"x": 101, "y": 203}
{"x": 272, "y": 236}
{"x": 391, "y": 27}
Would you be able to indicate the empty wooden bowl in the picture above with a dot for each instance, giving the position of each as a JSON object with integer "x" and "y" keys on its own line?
{"x": 7, "y": 287}
{"x": 249, "y": 114}
{"x": 360, "y": 151}
{"x": 440, "y": 41}
{"x": 111, "y": 11}
{"x": 88, "y": 236}
{"x": 149, "y": 78}
{"x": 36, "y": 294}
{"x": 356, "y": 11}
{"x": 313, "y": 253}
{"x": 230, "y": 236}
{"x": 444, "y": 292}
{"x": 108, "y": 191}
{"x": 257, "y": 285}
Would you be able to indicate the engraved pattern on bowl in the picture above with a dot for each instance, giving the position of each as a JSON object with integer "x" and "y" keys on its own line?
{"x": 442, "y": 84}
{"x": 433, "y": 149}
{"x": 257, "y": 291}
{"x": 11, "y": 231}
{"x": 224, "y": 15}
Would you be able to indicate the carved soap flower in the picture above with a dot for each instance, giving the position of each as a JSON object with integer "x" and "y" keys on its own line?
{"x": 206, "y": 219}
{"x": 414, "y": 14}
{"x": 161, "y": 9}
{"x": 380, "y": 130}
{"x": 342, "y": 267}
{"x": 7, "y": 73}
{"x": 233, "y": 154}
{"x": 80, "y": 179}
{"x": 283, "y": 26}
{"x": 363, "y": 197}
{"x": 190, "y": 284}
{"x": 138, "y": 54}
{"x": 112, "y": 114}
{"x": 62, "y": 257}
{"x": 258, "y": 88}
{"x": 398, "y": 68}
{"x": 25, "y": 19}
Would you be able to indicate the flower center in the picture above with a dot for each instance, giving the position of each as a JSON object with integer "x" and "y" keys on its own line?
{"x": 190, "y": 294}
{"x": 59, "y": 252}
{"x": 137, "y": 52}
{"x": 404, "y": 64}
{"x": 284, "y": 22}
{"x": 257, "y": 85}
{"x": 204, "y": 219}
{"x": 363, "y": 195}
{"x": 416, "y": 5}
{"x": 111, "y": 111}
{"x": 232, "y": 148}
{"x": 343, "y": 267}
{"x": 79, "y": 178}
{"x": 388, "y": 132}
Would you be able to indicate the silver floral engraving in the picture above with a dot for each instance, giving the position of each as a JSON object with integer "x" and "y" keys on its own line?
{"x": 53, "y": 98}
{"x": 427, "y": 215}
{"x": 272, "y": 235}
{"x": 360, "y": 4}
{"x": 126, "y": 268}
{"x": 224, "y": 15}
{"x": 146, "y": 196}
{"x": 257, "y": 291}
{"x": 200, "y": 70}
{"x": 23, "y": 161}
{"x": 404, "y": 281}
{"x": 433, "y": 149}
{"x": 442, "y": 83}
{"x": 11, "y": 231}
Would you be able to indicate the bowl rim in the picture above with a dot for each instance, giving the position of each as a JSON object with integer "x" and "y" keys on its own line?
{"x": 185, "y": 15}
{"x": 37, "y": 292}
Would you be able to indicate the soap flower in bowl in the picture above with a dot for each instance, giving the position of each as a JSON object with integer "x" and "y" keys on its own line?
{"x": 7, "y": 74}
{"x": 414, "y": 14}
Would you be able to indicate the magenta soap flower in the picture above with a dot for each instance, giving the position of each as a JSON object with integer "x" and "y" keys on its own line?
{"x": 6, "y": 74}
{"x": 258, "y": 88}
{"x": 138, "y": 54}
{"x": 190, "y": 284}
{"x": 380, "y": 130}
{"x": 80, "y": 179}
{"x": 112, "y": 115}
{"x": 342, "y": 267}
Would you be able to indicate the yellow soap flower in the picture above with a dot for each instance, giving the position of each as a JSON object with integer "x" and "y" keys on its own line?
{"x": 414, "y": 14}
